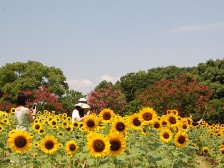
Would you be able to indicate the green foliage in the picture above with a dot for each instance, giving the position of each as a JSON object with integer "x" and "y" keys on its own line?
{"x": 70, "y": 98}
{"x": 131, "y": 82}
{"x": 211, "y": 74}
{"x": 218, "y": 115}
{"x": 103, "y": 84}
{"x": 132, "y": 107}
{"x": 29, "y": 76}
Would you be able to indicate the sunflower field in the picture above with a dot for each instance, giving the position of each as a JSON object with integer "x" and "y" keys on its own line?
{"x": 107, "y": 140}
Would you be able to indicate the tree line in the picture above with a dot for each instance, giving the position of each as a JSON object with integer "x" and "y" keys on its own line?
{"x": 193, "y": 91}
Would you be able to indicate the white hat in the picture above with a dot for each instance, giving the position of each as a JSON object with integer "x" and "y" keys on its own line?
{"x": 82, "y": 103}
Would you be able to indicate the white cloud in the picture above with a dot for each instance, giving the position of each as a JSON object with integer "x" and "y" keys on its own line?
{"x": 83, "y": 86}
{"x": 194, "y": 28}
{"x": 109, "y": 78}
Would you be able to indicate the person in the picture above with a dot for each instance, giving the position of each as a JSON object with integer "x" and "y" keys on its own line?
{"x": 78, "y": 114}
{"x": 24, "y": 115}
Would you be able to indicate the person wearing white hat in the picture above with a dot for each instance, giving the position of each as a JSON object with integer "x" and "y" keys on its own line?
{"x": 78, "y": 113}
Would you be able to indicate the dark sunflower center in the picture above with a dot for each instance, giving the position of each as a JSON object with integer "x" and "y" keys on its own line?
{"x": 172, "y": 120}
{"x": 37, "y": 127}
{"x": 90, "y": 123}
{"x": 166, "y": 135}
{"x": 54, "y": 123}
{"x": 115, "y": 144}
{"x": 181, "y": 139}
{"x": 164, "y": 123}
{"x": 75, "y": 124}
{"x": 49, "y": 145}
{"x": 98, "y": 145}
{"x": 205, "y": 150}
{"x": 147, "y": 116}
{"x": 41, "y": 131}
{"x": 120, "y": 126}
{"x": 68, "y": 128}
{"x": 72, "y": 147}
{"x": 106, "y": 116}
{"x": 156, "y": 125}
{"x": 184, "y": 126}
{"x": 136, "y": 122}
{"x": 20, "y": 141}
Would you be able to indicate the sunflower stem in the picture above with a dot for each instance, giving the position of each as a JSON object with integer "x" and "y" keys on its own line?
{"x": 97, "y": 162}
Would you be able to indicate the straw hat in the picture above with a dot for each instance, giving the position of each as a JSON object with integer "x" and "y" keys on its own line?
{"x": 82, "y": 103}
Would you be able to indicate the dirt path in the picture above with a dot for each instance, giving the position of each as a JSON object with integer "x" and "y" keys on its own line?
{"x": 202, "y": 162}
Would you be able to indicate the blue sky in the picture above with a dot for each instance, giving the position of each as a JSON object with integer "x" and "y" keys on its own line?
{"x": 95, "y": 40}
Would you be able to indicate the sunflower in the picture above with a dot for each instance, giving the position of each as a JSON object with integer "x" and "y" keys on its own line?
{"x": 69, "y": 119}
{"x": 12, "y": 110}
{"x": 60, "y": 133}
{"x": 75, "y": 124}
{"x": 166, "y": 135}
{"x": 164, "y": 121}
{"x": 5, "y": 121}
{"x": 20, "y": 141}
{"x": 173, "y": 120}
{"x": 185, "y": 126}
{"x": 147, "y": 115}
{"x": 53, "y": 123}
{"x": 49, "y": 144}
{"x": 205, "y": 150}
{"x": 64, "y": 114}
{"x": 157, "y": 124}
{"x": 36, "y": 120}
{"x": 90, "y": 123}
{"x": 181, "y": 139}
{"x": 190, "y": 121}
{"x": 117, "y": 144}
{"x": 41, "y": 131}
{"x": 107, "y": 115}
{"x": 71, "y": 147}
{"x": 64, "y": 124}
{"x": 37, "y": 126}
{"x": 69, "y": 128}
{"x": 119, "y": 125}
{"x": 134, "y": 122}
{"x": 97, "y": 144}
{"x": 37, "y": 144}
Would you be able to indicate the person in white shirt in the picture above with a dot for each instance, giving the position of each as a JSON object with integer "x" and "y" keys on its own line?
{"x": 78, "y": 114}
{"x": 24, "y": 115}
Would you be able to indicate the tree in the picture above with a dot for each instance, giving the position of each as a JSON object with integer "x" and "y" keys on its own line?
{"x": 30, "y": 76}
{"x": 183, "y": 93}
{"x": 70, "y": 98}
{"x": 132, "y": 84}
{"x": 211, "y": 74}
{"x": 103, "y": 84}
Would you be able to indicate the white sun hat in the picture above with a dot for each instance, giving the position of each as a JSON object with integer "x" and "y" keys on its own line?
{"x": 82, "y": 103}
